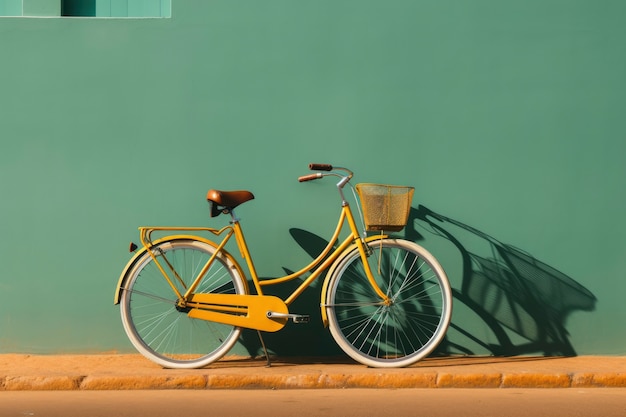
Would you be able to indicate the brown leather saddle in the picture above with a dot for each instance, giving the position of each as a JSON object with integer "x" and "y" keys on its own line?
{"x": 226, "y": 201}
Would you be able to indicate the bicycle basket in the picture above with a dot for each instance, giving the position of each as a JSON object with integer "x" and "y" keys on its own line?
{"x": 385, "y": 207}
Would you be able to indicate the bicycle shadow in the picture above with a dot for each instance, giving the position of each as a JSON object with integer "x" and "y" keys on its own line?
{"x": 523, "y": 302}
{"x": 518, "y": 304}
{"x": 303, "y": 340}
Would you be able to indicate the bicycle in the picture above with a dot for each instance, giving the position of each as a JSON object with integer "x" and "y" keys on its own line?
{"x": 184, "y": 298}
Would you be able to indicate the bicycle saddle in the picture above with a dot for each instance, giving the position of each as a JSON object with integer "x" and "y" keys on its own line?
{"x": 225, "y": 201}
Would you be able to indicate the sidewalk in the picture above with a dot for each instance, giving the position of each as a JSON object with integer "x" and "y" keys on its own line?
{"x": 132, "y": 371}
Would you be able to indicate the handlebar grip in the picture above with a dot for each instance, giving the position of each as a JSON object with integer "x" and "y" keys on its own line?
{"x": 309, "y": 177}
{"x": 320, "y": 167}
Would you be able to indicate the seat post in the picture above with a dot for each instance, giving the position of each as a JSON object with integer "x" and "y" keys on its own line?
{"x": 233, "y": 218}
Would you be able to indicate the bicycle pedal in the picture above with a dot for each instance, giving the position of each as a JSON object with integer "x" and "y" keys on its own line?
{"x": 297, "y": 318}
{"x": 300, "y": 319}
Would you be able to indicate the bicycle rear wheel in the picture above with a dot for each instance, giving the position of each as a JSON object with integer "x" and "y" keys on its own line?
{"x": 410, "y": 326}
{"x": 158, "y": 329}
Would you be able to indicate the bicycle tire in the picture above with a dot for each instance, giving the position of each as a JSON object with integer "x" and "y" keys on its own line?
{"x": 156, "y": 328}
{"x": 406, "y": 330}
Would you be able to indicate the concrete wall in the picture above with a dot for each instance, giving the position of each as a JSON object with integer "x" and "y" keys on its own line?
{"x": 507, "y": 117}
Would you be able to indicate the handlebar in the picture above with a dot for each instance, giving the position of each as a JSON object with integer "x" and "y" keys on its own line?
{"x": 329, "y": 168}
{"x": 320, "y": 167}
{"x": 310, "y": 177}
{"x": 345, "y": 176}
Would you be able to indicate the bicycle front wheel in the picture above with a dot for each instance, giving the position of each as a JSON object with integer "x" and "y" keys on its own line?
{"x": 408, "y": 327}
{"x": 160, "y": 330}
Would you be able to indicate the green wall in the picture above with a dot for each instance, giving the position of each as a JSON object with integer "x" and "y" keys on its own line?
{"x": 507, "y": 117}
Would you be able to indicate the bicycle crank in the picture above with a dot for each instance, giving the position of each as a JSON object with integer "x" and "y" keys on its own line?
{"x": 297, "y": 318}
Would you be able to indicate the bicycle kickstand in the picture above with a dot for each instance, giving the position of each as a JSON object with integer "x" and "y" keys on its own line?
{"x": 267, "y": 356}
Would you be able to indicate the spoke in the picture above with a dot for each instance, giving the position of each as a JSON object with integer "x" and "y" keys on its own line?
{"x": 377, "y": 337}
{"x": 170, "y": 329}
{"x": 154, "y": 297}
{"x": 356, "y": 304}
{"x": 367, "y": 337}
{"x": 408, "y": 277}
{"x": 424, "y": 294}
{"x": 153, "y": 325}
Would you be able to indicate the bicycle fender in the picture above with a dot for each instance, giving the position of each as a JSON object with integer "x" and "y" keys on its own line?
{"x": 331, "y": 271}
{"x": 121, "y": 283}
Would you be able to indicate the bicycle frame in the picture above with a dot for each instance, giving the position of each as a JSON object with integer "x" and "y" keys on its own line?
{"x": 319, "y": 264}
{"x": 257, "y": 311}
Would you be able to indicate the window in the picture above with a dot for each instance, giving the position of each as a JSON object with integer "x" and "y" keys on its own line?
{"x": 78, "y": 7}
{"x": 116, "y": 8}
{"x": 87, "y": 8}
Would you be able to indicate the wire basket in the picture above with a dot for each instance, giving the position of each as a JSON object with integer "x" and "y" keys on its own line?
{"x": 385, "y": 207}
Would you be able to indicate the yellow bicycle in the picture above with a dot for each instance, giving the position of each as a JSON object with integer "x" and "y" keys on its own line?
{"x": 184, "y": 298}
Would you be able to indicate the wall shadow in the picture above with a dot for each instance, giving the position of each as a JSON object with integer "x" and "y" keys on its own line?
{"x": 523, "y": 301}
{"x": 310, "y": 339}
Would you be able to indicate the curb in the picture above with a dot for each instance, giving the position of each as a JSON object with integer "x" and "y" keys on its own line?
{"x": 23, "y": 372}
{"x": 313, "y": 381}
